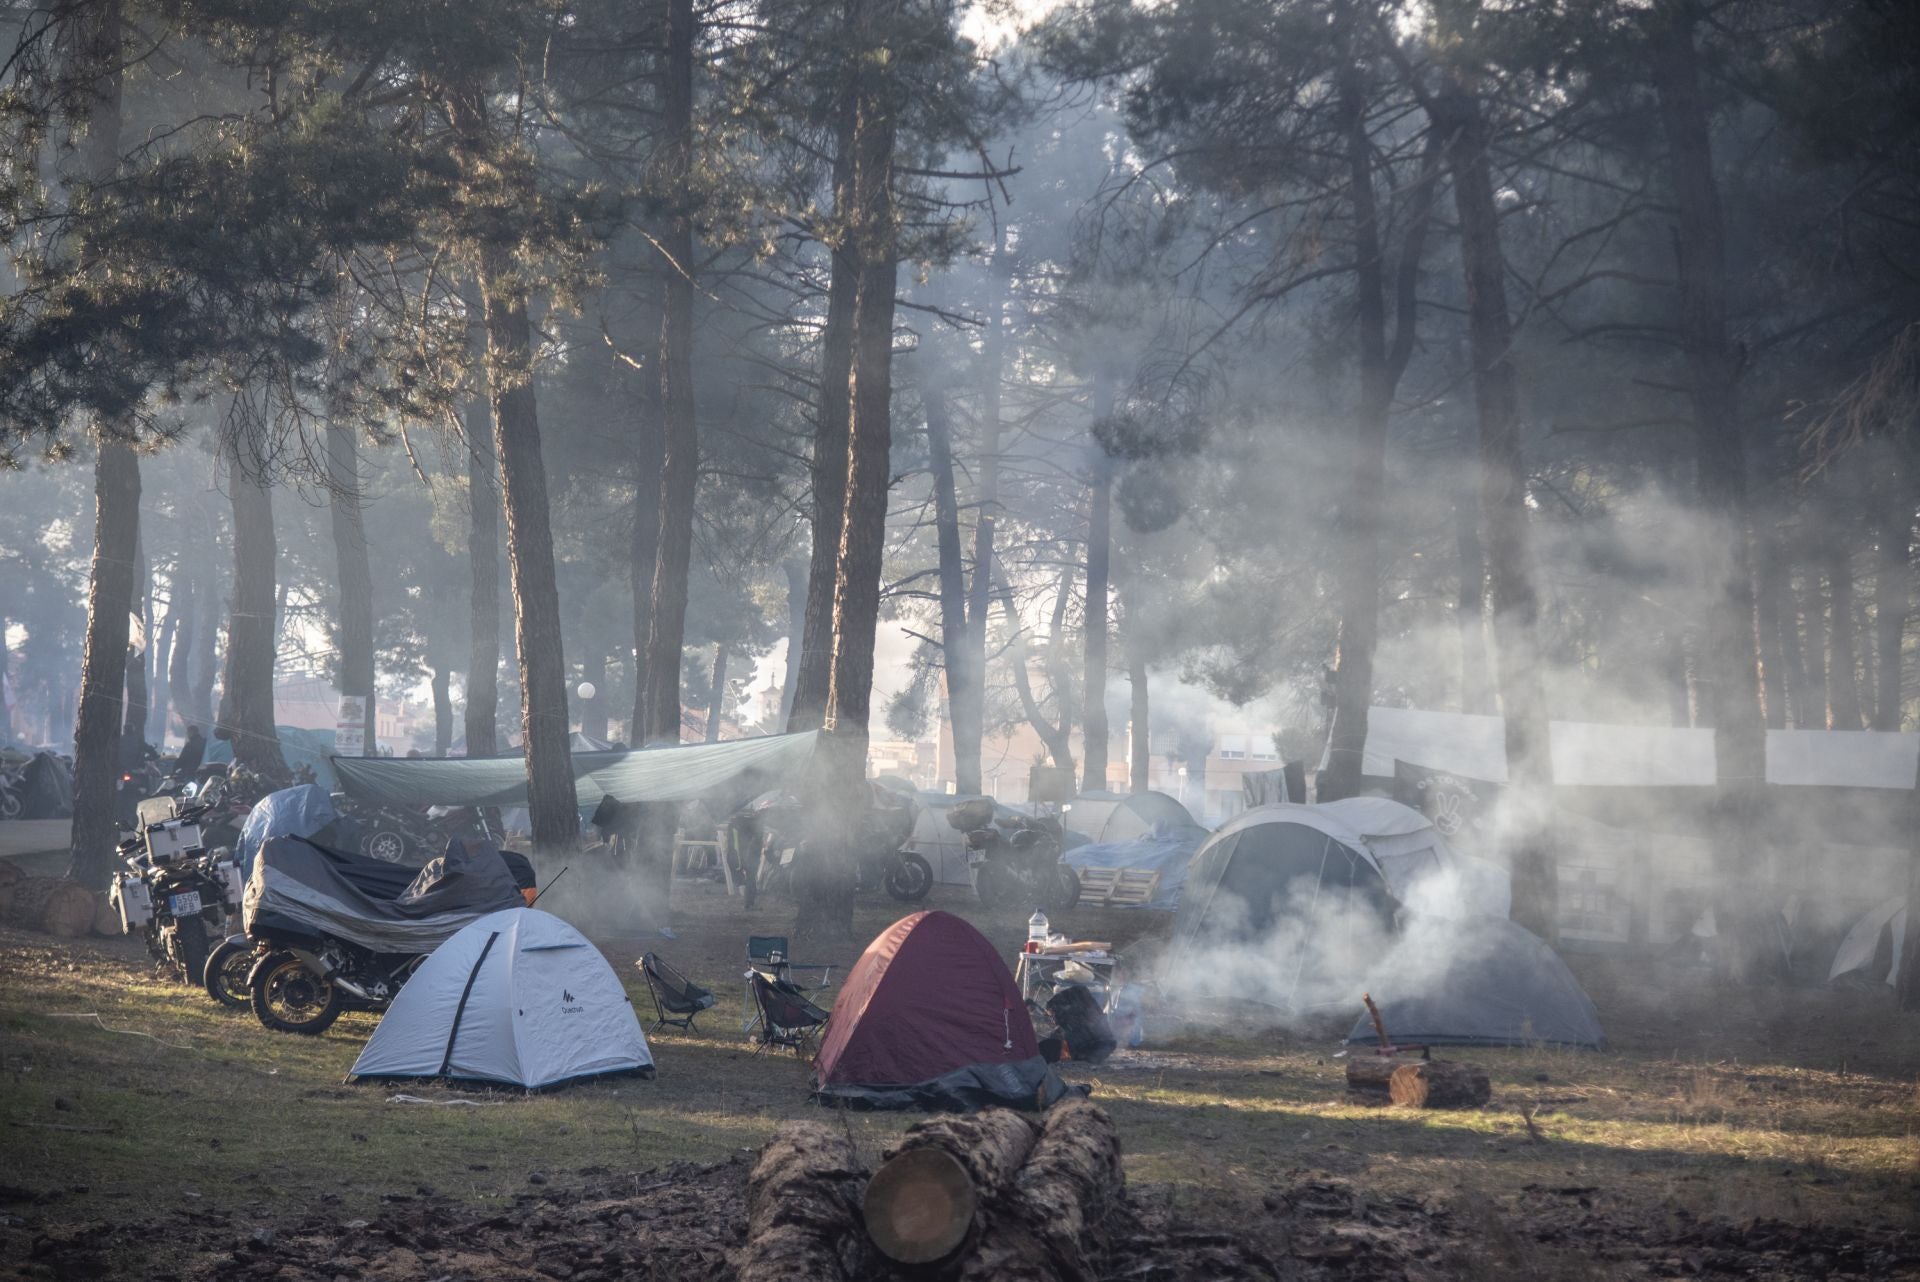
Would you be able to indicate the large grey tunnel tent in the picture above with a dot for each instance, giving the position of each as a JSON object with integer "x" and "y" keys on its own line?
{"x": 518, "y": 997}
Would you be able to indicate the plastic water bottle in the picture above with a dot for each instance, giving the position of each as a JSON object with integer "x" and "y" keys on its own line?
{"x": 1037, "y": 929}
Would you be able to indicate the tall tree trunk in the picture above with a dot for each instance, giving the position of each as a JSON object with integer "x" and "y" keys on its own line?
{"x": 353, "y": 575}
{"x": 1470, "y": 608}
{"x": 1797, "y": 619}
{"x": 1528, "y": 804}
{"x": 965, "y": 698}
{"x": 593, "y": 712}
{"x": 246, "y": 692}
{"x": 442, "y": 708}
{"x": 680, "y": 466}
{"x": 796, "y": 571}
{"x": 1054, "y": 735}
{"x": 1892, "y": 598}
{"x": 644, "y": 552}
{"x": 96, "y": 733}
{"x": 1769, "y": 606}
{"x": 1139, "y": 719}
{"x": 717, "y": 695}
{"x": 1093, "y": 682}
{"x": 116, "y": 520}
{"x": 1357, "y": 594}
{"x": 1843, "y": 664}
{"x": 161, "y": 696}
{"x": 483, "y": 559}
{"x": 205, "y": 654}
{"x": 1729, "y": 662}
{"x": 551, "y": 800}
{"x": 133, "y": 721}
{"x": 824, "y": 904}
{"x": 830, "y": 435}
{"x": 993, "y": 344}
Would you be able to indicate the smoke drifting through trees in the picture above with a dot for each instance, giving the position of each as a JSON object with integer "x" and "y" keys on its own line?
{"x": 1312, "y": 356}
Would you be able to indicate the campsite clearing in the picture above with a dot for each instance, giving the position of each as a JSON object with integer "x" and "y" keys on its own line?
{"x": 142, "y": 1122}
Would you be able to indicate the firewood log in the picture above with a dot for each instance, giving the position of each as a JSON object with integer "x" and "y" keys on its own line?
{"x": 106, "y": 918}
{"x": 927, "y": 1199}
{"x": 802, "y": 1208}
{"x": 1367, "y": 1073}
{"x": 1439, "y": 1083}
{"x": 53, "y": 904}
{"x": 1047, "y": 1226}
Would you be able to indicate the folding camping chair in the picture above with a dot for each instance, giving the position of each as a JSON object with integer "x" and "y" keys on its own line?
{"x": 767, "y": 956}
{"x": 676, "y": 999}
{"x": 786, "y": 1017}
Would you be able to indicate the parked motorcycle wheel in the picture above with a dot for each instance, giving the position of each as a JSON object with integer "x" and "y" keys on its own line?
{"x": 997, "y": 885}
{"x": 910, "y": 878}
{"x": 289, "y": 998}
{"x": 228, "y": 966}
{"x": 189, "y": 948}
{"x": 1066, "y": 890}
{"x": 386, "y": 845}
{"x": 10, "y": 805}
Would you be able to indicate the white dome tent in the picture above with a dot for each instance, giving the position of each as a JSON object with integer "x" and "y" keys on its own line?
{"x": 518, "y": 997}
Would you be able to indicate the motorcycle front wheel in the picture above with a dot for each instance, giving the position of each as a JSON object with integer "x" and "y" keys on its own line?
{"x": 910, "y": 878}
{"x": 1066, "y": 890}
{"x": 189, "y": 948}
{"x": 289, "y": 998}
{"x": 228, "y": 966}
{"x": 9, "y": 804}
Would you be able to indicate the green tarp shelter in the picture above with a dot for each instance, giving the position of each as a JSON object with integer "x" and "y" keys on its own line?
{"x": 725, "y": 775}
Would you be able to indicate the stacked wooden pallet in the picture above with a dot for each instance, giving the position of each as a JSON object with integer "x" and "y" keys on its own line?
{"x": 1118, "y": 887}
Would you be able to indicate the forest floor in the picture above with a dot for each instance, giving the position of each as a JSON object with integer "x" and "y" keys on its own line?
{"x": 145, "y": 1132}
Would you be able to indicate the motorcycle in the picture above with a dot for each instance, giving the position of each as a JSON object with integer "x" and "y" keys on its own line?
{"x": 883, "y": 863}
{"x": 311, "y": 965}
{"x": 177, "y": 892}
{"x": 1015, "y": 859}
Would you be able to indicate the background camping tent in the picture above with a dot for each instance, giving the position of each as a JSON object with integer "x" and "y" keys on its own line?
{"x": 518, "y": 997}
{"x": 929, "y": 1017}
{"x": 1109, "y": 816}
{"x": 725, "y": 775}
{"x": 46, "y": 788}
{"x": 1478, "y": 982}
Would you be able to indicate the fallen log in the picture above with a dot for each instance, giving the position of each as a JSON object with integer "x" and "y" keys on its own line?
{"x": 53, "y": 904}
{"x": 928, "y": 1197}
{"x": 1048, "y": 1226}
{"x": 1439, "y": 1083}
{"x": 106, "y": 918}
{"x": 1368, "y": 1074}
{"x": 802, "y": 1208}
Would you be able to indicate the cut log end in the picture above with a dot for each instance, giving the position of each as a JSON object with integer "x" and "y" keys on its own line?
{"x": 1438, "y": 1084}
{"x": 53, "y": 904}
{"x": 1368, "y": 1074}
{"x": 919, "y": 1206}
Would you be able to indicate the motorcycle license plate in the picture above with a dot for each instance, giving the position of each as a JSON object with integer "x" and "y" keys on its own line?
{"x": 185, "y": 904}
{"x": 975, "y": 859}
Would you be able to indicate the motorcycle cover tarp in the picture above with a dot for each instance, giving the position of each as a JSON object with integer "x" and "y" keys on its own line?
{"x": 300, "y": 811}
{"x": 723, "y": 774}
{"x": 300, "y": 887}
{"x": 46, "y": 788}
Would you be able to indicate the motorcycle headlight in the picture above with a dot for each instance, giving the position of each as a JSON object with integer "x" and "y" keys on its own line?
{"x": 191, "y": 791}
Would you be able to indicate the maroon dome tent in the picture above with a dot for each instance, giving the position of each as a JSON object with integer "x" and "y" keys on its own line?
{"x": 929, "y": 1017}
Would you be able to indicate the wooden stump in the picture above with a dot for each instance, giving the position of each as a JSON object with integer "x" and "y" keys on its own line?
{"x": 1439, "y": 1083}
{"x": 1047, "y": 1225}
{"x": 928, "y": 1198}
{"x": 802, "y": 1200}
{"x": 1368, "y": 1074}
{"x": 53, "y": 904}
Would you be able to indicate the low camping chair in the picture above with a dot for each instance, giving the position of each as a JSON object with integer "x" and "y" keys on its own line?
{"x": 767, "y": 957}
{"x": 786, "y": 1017}
{"x": 676, "y": 999}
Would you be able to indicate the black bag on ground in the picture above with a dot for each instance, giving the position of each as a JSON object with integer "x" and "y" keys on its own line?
{"x": 1083, "y": 1024}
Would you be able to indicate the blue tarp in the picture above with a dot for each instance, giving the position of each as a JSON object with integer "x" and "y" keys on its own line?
{"x": 298, "y": 747}
{"x": 1168, "y": 852}
{"x": 291, "y": 812}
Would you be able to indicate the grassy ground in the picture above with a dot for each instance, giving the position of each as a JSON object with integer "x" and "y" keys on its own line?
{"x": 125, "y": 1097}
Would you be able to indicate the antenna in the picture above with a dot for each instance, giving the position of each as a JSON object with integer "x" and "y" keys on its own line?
{"x": 549, "y": 886}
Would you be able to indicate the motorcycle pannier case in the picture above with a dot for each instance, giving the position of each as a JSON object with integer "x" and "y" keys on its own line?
{"x": 969, "y": 815}
{"x": 129, "y": 897}
{"x": 169, "y": 841}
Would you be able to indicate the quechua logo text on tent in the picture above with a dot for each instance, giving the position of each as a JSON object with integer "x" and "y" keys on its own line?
{"x": 566, "y": 1004}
